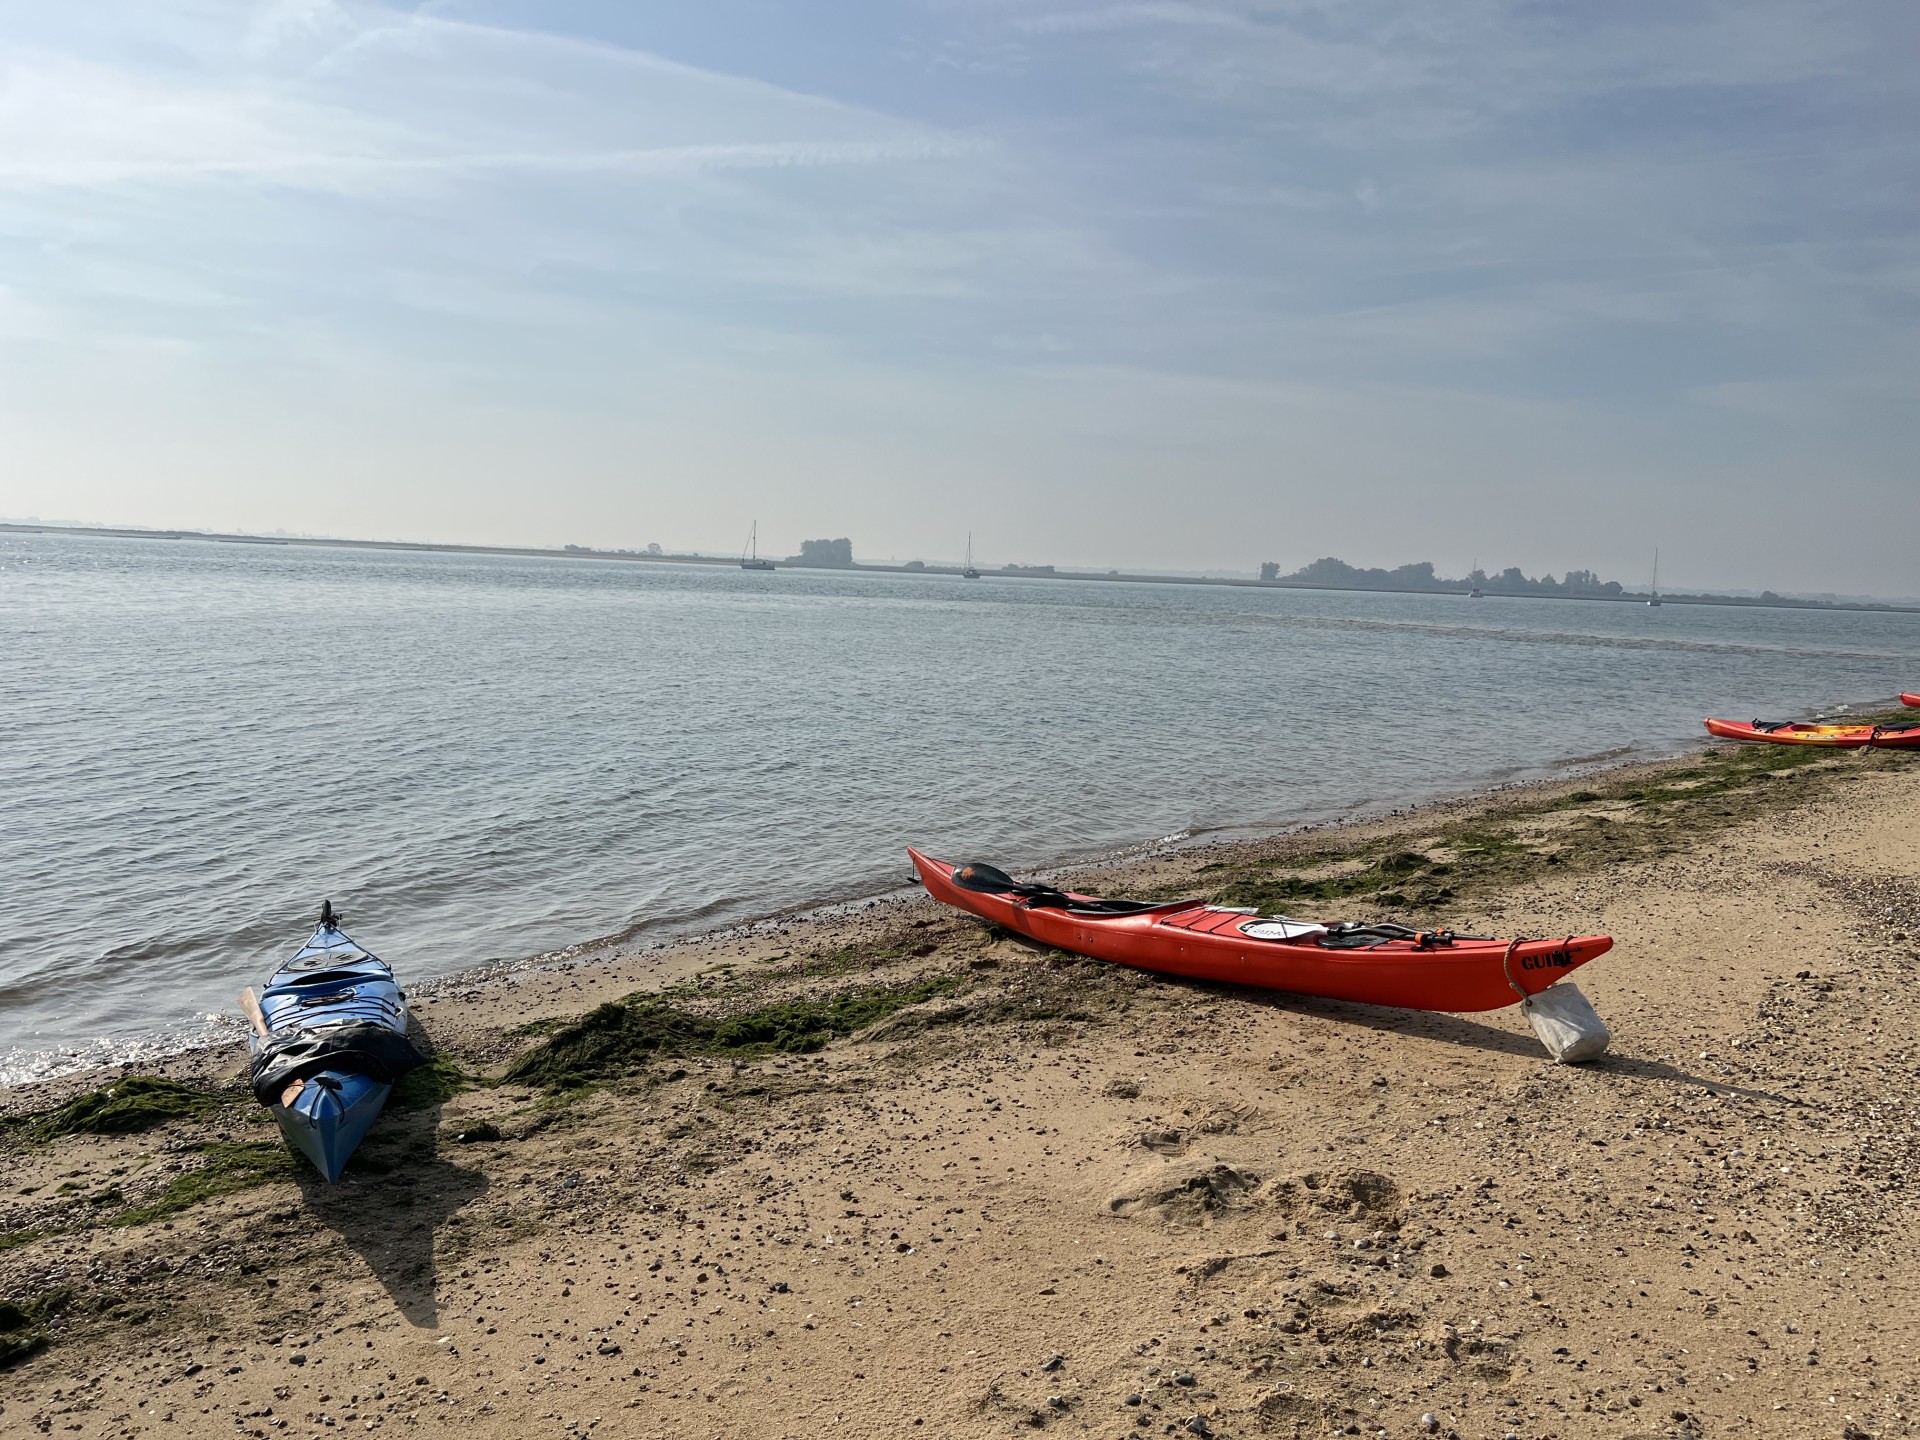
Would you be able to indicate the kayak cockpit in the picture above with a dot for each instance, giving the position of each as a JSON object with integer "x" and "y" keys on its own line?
{"x": 1284, "y": 930}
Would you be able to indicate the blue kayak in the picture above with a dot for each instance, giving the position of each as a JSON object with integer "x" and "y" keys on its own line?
{"x": 335, "y": 1040}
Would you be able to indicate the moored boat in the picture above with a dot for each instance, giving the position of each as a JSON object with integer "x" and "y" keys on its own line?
{"x": 330, "y": 1038}
{"x": 750, "y": 556}
{"x": 1380, "y": 964}
{"x": 1894, "y": 735}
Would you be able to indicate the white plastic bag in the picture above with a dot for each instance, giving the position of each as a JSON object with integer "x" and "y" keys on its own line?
{"x": 1567, "y": 1024}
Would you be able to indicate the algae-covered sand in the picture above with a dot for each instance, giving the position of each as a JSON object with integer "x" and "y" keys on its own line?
{"x": 900, "y": 1173}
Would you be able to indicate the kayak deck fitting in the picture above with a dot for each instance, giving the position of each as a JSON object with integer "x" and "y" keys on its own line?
{"x": 1372, "y": 964}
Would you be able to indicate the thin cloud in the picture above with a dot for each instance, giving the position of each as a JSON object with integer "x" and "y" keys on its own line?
{"x": 1124, "y": 17}
{"x": 664, "y": 160}
{"x": 279, "y": 23}
{"x": 431, "y": 36}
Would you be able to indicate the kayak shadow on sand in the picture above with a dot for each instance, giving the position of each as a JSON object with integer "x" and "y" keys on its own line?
{"x": 392, "y": 1203}
{"x": 1460, "y": 1030}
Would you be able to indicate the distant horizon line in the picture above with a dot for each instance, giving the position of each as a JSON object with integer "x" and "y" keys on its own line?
{"x": 1768, "y": 599}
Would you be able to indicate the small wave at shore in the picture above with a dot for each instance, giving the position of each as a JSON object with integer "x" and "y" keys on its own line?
{"x": 26, "y": 1065}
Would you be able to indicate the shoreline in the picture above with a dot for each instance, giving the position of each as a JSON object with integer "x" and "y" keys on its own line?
{"x": 1043, "y": 1193}
{"x": 611, "y": 965}
{"x": 534, "y": 552}
{"x": 159, "y": 1054}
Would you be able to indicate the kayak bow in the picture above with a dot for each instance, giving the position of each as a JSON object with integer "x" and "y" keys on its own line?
{"x": 1373, "y": 964}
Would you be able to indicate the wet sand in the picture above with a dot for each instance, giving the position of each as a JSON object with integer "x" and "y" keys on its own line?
{"x": 1067, "y": 1197}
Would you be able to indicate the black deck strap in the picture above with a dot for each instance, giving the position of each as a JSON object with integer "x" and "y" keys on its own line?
{"x": 357, "y": 1049}
{"x": 1351, "y": 935}
{"x": 324, "y": 982}
{"x": 1384, "y": 929}
{"x": 1074, "y": 905}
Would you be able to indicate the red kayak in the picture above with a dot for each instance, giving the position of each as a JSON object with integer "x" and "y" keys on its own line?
{"x": 1906, "y": 699}
{"x": 1899, "y": 735}
{"x": 1374, "y": 964}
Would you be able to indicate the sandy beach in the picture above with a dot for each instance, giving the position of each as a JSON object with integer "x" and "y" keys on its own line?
{"x": 1013, "y": 1190}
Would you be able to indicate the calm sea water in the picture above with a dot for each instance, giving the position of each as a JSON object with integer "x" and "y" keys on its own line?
{"x": 481, "y": 758}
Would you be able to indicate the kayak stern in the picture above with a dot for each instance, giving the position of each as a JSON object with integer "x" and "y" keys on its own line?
{"x": 330, "y": 1117}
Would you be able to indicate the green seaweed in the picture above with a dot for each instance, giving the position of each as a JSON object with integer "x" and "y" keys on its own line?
{"x": 131, "y": 1104}
{"x": 434, "y": 1083}
{"x": 1492, "y": 851}
{"x": 620, "y": 1036}
{"x": 844, "y": 960}
{"x": 800, "y": 1026}
{"x": 1379, "y": 879}
{"x": 23, "y": 1324}
{"x": 229, "y": 1167}
{"x": 1402, "y": 862}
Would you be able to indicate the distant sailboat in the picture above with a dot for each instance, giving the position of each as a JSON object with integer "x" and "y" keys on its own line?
{"x": 969, "y": 573}
{"x": 1473, "y": 589}
{"x": 750, "y": 557}
{"x": 1653, "y": 596}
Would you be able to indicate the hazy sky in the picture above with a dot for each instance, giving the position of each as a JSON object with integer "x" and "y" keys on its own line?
{"x": 1178, "y": 283}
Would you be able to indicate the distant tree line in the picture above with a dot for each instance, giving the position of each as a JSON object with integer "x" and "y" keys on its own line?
{"x": 1338, "y": 575}
{"x": 827, "y": 554}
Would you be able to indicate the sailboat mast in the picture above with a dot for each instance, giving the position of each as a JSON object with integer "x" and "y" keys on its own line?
{"x": 750, "y": 557}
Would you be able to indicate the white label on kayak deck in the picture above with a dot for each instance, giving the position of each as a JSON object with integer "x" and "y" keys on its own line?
{"x": 1281, "y": 928}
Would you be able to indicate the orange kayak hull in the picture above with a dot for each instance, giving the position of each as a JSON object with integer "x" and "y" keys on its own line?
{"x": 1206, "y": 942}
{"x": 1913, "y": 700}
{"x": 1903, "y": 736}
